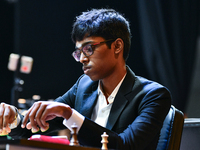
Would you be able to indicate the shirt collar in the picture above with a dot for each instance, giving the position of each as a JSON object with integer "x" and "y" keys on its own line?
{"x": 114, "y": 92}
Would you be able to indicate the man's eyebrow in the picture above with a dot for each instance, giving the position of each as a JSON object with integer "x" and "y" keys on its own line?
{"x": 84, "y": 44}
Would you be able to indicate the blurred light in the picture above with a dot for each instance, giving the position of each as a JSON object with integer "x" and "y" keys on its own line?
{"x": 36, "y": 97}
{"x": 21, "y": 101}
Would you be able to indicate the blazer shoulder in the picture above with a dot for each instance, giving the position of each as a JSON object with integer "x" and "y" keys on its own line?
{"x": 149, "y": 85}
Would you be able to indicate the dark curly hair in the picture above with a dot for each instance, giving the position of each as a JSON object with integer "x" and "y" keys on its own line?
{"x": 106, "y": 23}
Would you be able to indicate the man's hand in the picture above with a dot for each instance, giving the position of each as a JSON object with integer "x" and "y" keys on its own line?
{"x": 42, "y": 111}
{"x": 7, "y": 116}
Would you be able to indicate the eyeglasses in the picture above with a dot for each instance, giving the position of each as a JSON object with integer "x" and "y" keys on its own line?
{"x": 87, "y": 50}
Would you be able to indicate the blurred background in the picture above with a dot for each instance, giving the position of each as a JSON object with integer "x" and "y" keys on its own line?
{"x": 165, "y": 46}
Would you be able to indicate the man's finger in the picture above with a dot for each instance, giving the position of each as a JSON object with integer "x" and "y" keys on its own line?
{"x": 32, "y": 116}
{"x": 6, "y": 117}
{"x": 38, "y": 115}
{"x": 26, "y": 117}
{"x": 1, "y": 116}
{"x": 29, "y": 126}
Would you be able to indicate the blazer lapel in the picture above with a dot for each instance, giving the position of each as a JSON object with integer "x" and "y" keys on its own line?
{"x": 88, "y": 103}
{"x": 121, "y": 99}
{"x": 116, "y": 109}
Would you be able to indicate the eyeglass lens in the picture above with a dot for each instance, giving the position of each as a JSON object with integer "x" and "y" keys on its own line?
{"x": 87, "y": 51}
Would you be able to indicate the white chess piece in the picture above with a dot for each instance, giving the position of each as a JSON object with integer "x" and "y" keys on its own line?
{"x": 104, "y": 141}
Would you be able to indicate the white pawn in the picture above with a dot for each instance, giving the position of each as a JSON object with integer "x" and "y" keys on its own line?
{"x": 104, "y": 141}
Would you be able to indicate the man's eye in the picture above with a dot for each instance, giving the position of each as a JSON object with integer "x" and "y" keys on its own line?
{"x": 87, "y": 48}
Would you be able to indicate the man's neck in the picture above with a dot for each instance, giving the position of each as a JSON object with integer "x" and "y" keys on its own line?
{"x": 109, "y": 84}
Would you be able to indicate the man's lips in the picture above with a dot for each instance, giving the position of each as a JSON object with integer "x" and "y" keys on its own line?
{"x": 86, "y": 68}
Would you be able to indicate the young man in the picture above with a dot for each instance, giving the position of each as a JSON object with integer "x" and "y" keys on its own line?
{"x": 109, "y": 97}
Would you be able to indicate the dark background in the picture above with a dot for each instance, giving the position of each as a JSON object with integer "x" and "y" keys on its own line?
{"x": 164, "y": 44}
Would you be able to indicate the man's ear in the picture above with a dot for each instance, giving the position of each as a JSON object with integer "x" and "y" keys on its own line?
{"x": 119, "y": 45}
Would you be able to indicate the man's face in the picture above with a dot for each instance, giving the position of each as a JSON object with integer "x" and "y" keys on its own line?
{"x": 101, "y": 63}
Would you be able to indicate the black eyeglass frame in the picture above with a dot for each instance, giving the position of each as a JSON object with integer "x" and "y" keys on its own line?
{"x": 89, "y": 53}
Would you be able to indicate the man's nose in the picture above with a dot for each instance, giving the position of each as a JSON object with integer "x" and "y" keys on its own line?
{"x": 83, "y": 58}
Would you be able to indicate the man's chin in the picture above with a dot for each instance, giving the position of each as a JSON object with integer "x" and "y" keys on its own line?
{"x": 93, "y": 78}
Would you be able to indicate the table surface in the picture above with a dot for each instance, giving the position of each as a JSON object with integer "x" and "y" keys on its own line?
{"x": 42, "y": 145}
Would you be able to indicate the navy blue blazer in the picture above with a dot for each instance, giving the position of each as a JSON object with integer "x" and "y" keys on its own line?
{"x": 135, "y": 119}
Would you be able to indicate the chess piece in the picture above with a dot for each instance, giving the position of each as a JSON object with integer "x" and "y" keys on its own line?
{"x": 104, "y": 141}
{"x": 74, "y": 139}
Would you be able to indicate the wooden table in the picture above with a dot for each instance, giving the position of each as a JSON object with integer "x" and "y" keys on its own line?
{"x": 23, "y": 144}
